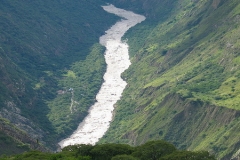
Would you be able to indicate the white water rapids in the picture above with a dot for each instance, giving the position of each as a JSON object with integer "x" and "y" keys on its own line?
{"x": 98, "y": 120}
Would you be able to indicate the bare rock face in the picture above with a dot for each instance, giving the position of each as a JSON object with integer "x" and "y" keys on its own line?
{"x": 20, "y": 136}
{"x": 98, "y": 120}
{"x": 13, "y": 114}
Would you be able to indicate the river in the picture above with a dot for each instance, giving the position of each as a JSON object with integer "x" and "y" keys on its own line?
{"x": 97, "y": 122}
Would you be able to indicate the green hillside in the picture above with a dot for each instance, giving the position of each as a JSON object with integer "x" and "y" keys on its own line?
{"x": 184, "y": 81}
{"x": 183, "y": 84}
{"x": 46, "y": 48}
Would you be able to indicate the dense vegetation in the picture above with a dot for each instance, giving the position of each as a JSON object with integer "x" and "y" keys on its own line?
{"x": 152, "y": 150}
{"x": 183, "y": 84}
{"x": 47, "y": 52}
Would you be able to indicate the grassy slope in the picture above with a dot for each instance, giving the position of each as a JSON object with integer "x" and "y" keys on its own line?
{"x": 40, "y": 43}
{"x": 190, "y": 56}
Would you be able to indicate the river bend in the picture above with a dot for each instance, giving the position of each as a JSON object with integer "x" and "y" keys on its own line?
{"x": 97, "y": 122}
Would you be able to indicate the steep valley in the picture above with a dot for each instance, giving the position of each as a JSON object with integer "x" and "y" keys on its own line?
{"x": 99, "y": 117}
{"x": 183, "y": 84}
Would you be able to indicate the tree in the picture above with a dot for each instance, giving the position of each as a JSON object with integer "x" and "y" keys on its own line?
{"x": 79, "y": 150}
{"x": 107, "y": 151}
{"x": 124, "y": 157}
{"x": 188, "y": 155}
{"x": 153, "y": 150}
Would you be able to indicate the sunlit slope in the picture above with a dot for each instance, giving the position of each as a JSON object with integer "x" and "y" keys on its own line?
{"x": 184, "y": 81}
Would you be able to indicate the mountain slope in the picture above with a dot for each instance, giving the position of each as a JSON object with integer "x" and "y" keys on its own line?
{"x": 47, "y": 47}
{"x": 183, "y": 84}
{"x": 15, "y": 141}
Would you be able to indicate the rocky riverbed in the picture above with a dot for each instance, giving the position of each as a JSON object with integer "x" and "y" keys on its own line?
{"x": 98, "y": 120}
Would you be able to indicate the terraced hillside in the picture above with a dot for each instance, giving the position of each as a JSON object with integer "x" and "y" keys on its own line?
{"x": 184, "y": 81}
